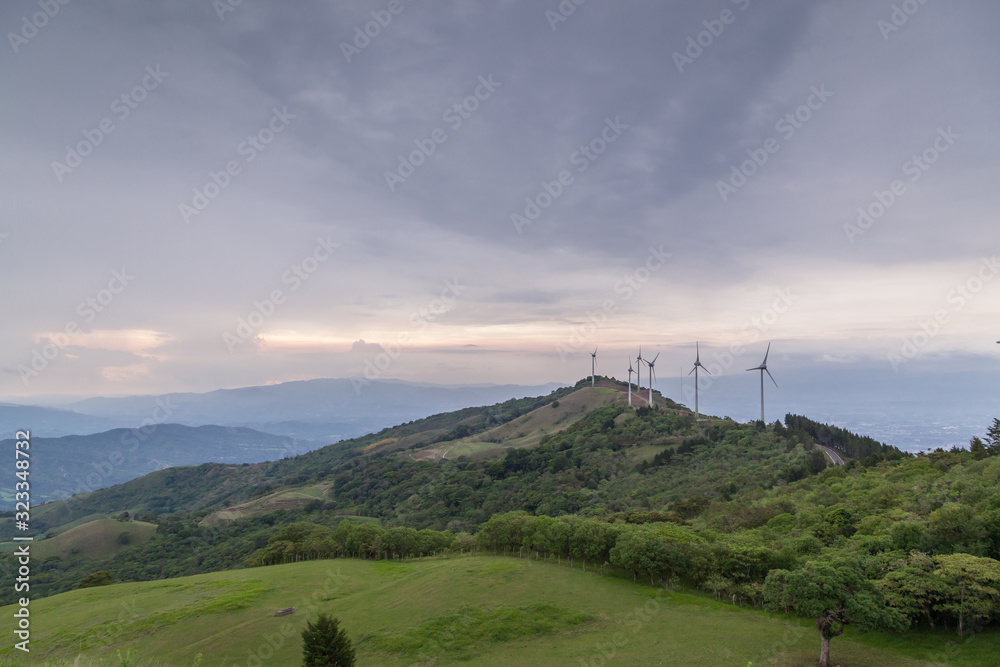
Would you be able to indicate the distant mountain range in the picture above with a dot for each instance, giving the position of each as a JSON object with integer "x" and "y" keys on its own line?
{"x": 319, "y": 411}
{"x": 99, "y": 442}
{"x": 61, "y": 467}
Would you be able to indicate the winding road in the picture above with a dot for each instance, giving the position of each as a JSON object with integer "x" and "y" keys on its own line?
{"x": 834, "y": 456}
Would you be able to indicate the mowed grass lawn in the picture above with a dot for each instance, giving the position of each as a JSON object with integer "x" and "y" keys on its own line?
{"x": 464, "y": 610}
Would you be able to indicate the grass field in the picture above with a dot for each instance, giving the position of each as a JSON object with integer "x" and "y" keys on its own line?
{"x": 465, "y": 610}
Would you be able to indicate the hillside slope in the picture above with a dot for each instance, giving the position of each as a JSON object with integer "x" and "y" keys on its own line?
{"x": 61, "y": 467}
{"x": 495, "y": 610}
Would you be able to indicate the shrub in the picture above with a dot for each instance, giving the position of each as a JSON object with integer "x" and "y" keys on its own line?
{"x": 99, "y": 578}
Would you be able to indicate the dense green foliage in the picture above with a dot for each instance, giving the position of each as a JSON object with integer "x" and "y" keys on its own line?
{"x": 99, "y": 578}
{"x": 855, "y": 446}
{"x": 836, "y": 595}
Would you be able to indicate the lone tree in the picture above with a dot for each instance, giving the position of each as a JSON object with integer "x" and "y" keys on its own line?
{"x": 326, "y": 644}
{"x": 836, "y": 596}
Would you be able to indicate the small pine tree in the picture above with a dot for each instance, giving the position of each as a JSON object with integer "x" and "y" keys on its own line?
{"x": 977, "y": 448}
{"x": 325, "y": 644}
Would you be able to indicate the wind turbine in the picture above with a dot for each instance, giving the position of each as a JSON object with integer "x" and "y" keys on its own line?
{"x": 630, "y": 371}
{"x": 593, "y": 365}
{"x": 763, "y": 369}
{"x": 638, "y": 371}
{"x": 697, "y": 365}
{"x": 651, "y": 374}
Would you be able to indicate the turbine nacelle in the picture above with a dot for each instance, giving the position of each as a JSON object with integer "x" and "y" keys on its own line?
{"x": 697, "y": 361}
{"x": 763, "y": 366}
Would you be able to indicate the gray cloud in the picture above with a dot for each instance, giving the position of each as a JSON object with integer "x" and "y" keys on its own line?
{"x": 551, "y": 93}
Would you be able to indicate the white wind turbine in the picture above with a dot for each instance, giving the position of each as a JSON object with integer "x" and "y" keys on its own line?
{"x": 638, "y": 373}
{"x": 593, "y": 365}
{"x": 697, "y": 365}
{"x": 652, "y": 373}
{"x": 630, "y": 371}
{"x": 763, "y": 369}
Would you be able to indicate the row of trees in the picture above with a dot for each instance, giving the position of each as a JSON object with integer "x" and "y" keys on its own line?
{"x": 309, "y": 541}
{"x": 955, "y": 589}
{"x": 851, "y": 444}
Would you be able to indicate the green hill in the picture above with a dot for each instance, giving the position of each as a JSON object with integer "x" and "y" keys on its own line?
{"x": 95, "y": 540}
{"x": 470, "y": 610}
{"x": 738, "y": 512}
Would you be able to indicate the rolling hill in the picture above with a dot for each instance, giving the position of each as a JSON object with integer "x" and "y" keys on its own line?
{"x": 651, "y": 498}
{"x": 96, "y": 540}
{"x": 461, "y": 610}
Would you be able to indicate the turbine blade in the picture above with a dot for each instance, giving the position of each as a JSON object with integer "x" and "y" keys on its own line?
{"x": 693, "y": 370}
{"x": 765, "y": 355}
{"x": 770, "y": 376}
{"x": 656, "y": 357}
{"x": 705, "y": 369}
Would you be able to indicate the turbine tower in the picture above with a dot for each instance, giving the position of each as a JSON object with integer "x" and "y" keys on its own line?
{"x": 630, "y": 371}
{"x": 697, "y": 365}
{"x": 651, "y": 374}
{"x": 763, "y": 369}
{"x": 638, "y": 372}
{"x": 593, "y": 365}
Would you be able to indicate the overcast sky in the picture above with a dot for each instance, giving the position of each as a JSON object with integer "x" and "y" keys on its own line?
{"x": 199, "y": 195}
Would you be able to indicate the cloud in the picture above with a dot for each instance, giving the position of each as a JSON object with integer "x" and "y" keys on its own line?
{"x": 541, "y": 138}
